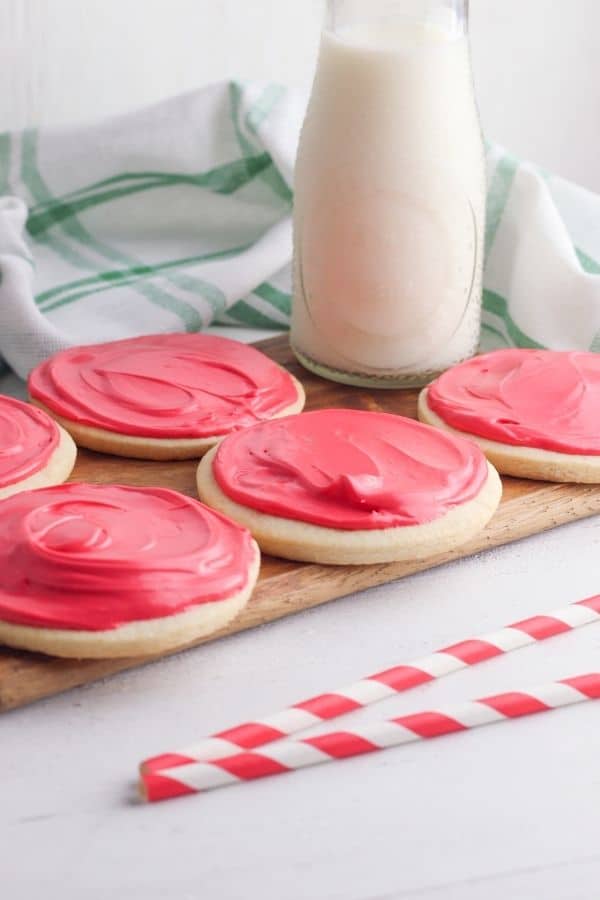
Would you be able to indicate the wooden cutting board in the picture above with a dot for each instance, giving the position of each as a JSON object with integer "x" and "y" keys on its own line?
{"x": 527, "y": 507}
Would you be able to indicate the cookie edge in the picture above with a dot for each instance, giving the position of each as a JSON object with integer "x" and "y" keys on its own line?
{"x": 306, "y": 542}
{"x": 132, "y": 446}
{"x": 56, "y": 471}
{"x": 522, "y": 462}
{"x": 146, "y": 637}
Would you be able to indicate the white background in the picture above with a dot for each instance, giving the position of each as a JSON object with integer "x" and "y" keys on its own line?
{"x": 536, "y": 62}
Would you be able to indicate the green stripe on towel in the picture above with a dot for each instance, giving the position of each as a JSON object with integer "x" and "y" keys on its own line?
{"x": 279, "y": 299}
{"x": 189, "y": 315}
{"x": 247, "y": 315}
{"x": 223, "y": 180}
{"x": 257, "y": 113}
{"x": 588, "y": 264}
{"x": 496, "y": 333}
{"x": 121, "y": 277}
{"x": 497, "y": 305}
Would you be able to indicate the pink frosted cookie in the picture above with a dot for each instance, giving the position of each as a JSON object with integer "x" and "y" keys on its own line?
{"x": 534, "y": 413}
{"x": 97, "y": 570}
{"x": 344, "y": 486}
{"x": 34, "y": 450}
{"x": 162, "y": 396}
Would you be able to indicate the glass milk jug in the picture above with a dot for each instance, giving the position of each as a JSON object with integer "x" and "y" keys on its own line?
{"x": 390, "y": 197}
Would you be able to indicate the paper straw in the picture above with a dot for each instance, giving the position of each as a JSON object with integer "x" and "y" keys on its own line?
{"x": 380, "y": 686}
{"x": 288, "y": 755}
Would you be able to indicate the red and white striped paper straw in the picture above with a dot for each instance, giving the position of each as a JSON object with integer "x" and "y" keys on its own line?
{"x": 288, "y": 755}
{"x": 374, "y": 688}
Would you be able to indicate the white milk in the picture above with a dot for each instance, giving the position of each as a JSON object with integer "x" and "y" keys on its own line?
{"x": 389, "y": 214}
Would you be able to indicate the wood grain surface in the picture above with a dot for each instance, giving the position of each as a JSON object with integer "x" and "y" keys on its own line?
{"x": 527, "y": 508}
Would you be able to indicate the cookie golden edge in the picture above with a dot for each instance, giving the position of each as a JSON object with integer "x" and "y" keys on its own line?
{"x": 305, "y": 542}
{"x": 157, "y": 449}
{"x": 146, "y": 637}
{"x": 522, "y": 462}
{"x": 56, "y": 471}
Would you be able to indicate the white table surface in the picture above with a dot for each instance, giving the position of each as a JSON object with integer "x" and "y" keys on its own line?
{"x": 507, "y": 811}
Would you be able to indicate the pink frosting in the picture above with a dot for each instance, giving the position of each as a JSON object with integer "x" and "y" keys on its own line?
{"x": 546, "y": 399}
{"x": 164, "y": 386}
{"x": 92, "y": 557}
{"x": 349, "y": 469}
{"x": 28, "y": 438}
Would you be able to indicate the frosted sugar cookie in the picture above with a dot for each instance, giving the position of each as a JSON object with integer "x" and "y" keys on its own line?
{"x": 34, "y": 450}
{"x": 344, "y": 486}
{"x": 90, "y": 570}
{"x": 534, "y": 413}
{"x": 164, "y": 396}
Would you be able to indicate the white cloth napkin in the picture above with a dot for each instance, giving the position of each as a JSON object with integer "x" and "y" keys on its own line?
{"x": 179, "y": 215}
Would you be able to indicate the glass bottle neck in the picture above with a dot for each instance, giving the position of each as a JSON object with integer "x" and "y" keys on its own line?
{"x": 450, "y": 15}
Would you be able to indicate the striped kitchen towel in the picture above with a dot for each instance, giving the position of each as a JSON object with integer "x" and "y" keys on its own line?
{"x": 180, "y": 215}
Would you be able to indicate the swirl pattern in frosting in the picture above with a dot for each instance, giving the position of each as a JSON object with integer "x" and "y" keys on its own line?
{"x": 28, "y": 438}
{"x": 164, "y": 386}
{"x": 349, "y": 469}
{"x": 92, "y": 557}
{"x": 546, "y": 399}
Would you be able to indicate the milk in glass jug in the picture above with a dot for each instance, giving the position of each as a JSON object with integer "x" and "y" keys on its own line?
{"x": 389, "y": 197}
